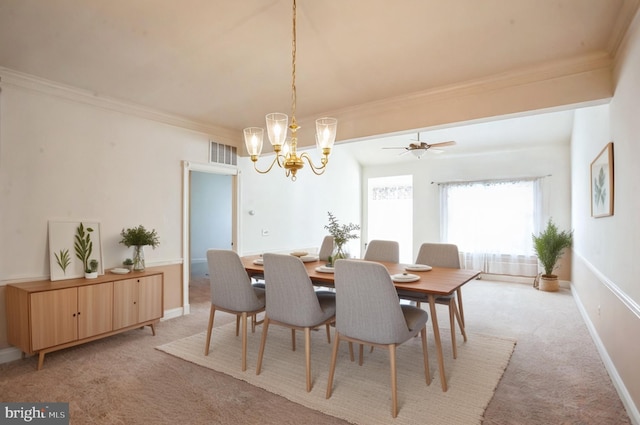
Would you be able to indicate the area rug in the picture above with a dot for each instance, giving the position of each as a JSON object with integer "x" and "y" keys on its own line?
{"x": 362, "y": 394}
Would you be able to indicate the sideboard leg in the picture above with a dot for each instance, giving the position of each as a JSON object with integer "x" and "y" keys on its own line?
{"x": 41, "y": 359}
{"x": 153, "y": 329}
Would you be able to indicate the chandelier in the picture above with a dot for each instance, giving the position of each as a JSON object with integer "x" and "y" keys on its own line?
{"x": 286, "y": 149}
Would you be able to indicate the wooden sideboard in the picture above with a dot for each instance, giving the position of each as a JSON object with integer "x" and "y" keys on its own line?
{"x": 45, "y": 316}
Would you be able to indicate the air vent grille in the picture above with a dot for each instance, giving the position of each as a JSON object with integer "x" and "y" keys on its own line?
{"x": 223, "y": 154}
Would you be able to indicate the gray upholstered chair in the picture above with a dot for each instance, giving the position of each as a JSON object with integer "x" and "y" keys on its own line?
{"x": 386, "y": 251}
{"x": 326, "y": 248}
{"x": 441, "y": 255}
{"x": 292, "y": 302}
{"x": 232, "y": 292}
{"x": 368, "y": 312}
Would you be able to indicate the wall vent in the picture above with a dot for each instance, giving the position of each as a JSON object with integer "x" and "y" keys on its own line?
{"x": 223, "y": 154}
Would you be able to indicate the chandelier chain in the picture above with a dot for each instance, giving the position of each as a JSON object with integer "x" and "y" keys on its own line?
{"x": 293, "y": 67}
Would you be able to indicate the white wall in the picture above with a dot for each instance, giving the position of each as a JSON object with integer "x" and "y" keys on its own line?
{"x": 605, "y": 260}
{"x": 529, "y": 162}
{"x": 67, "y": 160}
{"x": 295, "y": 213}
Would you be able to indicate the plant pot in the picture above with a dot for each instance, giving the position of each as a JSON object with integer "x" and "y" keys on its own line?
{"x": 91, "y": 275}
{"x": 549, "y": 283}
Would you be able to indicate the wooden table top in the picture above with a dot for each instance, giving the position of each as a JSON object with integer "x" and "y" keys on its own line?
{"x": 437, "y": 281}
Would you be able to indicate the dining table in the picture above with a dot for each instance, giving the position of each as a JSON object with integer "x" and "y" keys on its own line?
{"x": 436, "y": 281}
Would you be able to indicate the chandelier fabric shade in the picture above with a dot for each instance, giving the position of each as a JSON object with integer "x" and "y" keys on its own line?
{"x": 286, "y": 148}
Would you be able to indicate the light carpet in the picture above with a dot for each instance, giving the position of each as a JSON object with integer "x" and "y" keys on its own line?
{"x": 362, "y": 394}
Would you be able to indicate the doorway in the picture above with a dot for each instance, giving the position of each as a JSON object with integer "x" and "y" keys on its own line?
{"x": 210, "y": 220}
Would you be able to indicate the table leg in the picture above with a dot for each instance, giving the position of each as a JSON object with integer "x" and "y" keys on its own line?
{"x": 436, "y": 336}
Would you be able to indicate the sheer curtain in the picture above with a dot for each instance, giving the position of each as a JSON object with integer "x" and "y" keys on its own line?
{"x": 491, "y": 222}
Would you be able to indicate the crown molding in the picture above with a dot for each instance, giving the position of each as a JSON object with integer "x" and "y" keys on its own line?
{"x": 54, "y": 89}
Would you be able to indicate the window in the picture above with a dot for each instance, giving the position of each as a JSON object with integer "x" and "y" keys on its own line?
{"x": 390, "y": 212}
{"x": 492, "y": 223}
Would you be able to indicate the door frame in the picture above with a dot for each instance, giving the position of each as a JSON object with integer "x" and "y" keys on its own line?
{"x": 187, "y": 168}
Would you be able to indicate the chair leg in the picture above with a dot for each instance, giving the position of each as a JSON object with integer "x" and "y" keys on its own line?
{"x": 350, "y": 349}
{"x": 460, "y": 309}
{"x": 212, "y": 313}
{"x": 360, "y": 354}
{"x": 244, "y": 341}
{"x": 237, "y": 324}
{"x": 334, "y": 358}
{"x": 452, "y": 325}
{"x": 394, "y": 381}
{"x": 263, "y": 340}
{"x": 293, "y": 340}
{"x": 425, "y": 354}
{"x": 460, "y": 323}
{"x": 329, "y": 333}
{"x": 307, "y": 355}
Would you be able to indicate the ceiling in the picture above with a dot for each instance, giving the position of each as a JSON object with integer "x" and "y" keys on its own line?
{"x": 226, "y": 63}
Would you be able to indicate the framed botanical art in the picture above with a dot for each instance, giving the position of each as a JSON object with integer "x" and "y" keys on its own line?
{"x": 602, "y": 183}
{"x": 64, "y": 246}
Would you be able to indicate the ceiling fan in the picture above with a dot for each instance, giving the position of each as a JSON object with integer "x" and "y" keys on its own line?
{"x": 418, "y": 148}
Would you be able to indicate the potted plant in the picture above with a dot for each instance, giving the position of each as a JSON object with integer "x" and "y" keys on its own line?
{"x": 84, "y": 247}
{"x": 549, "y": 246}
{"x": 138, "y": 237}
{"x": 92, "y": 271}
{"x": 341, "y": 235}
{"x": 128, "y": 264}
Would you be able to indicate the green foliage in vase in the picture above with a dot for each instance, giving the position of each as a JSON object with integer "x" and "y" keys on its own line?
{"x": 83, "y": 245}
{"x": 139, "y": 236}
{"x": 341, "y": 233}
{"x": 549, "y": 245}
{"x": 63, "y": 259}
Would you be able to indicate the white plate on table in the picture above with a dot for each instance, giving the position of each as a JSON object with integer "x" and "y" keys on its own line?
{"x": 258, "y": 262}
{"x": 325, "y": 269}
{"x": 119, "y": 270}
{"x": 418, "y": 268}
{"x": 309, "y": 258}
{"x": 404, "y": 277}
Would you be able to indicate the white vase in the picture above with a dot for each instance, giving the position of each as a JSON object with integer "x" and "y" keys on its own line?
{"x": 91, "y": 275}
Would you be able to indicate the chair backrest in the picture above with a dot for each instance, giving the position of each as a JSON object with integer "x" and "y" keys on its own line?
{"x": 326, "y": 248}
{"x": 379, "y": 250}
{"x": 290, "y": 295}
{"x": 367, "y": 304}
{"x": 439, "y": 255}
{"x": 230, "y": 285}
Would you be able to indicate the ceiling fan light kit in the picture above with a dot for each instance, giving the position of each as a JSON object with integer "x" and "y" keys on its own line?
{"x": 419, "y": 148}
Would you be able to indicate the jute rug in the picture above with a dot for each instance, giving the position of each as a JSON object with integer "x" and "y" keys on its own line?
{"x": 362, "y": 394}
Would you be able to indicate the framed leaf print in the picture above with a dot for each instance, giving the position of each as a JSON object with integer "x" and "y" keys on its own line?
{"x": 602, "y": 183}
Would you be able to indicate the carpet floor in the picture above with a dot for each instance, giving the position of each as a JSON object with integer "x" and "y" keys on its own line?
{"x": 361, "y": 394}
{"x": 555, "y": 375}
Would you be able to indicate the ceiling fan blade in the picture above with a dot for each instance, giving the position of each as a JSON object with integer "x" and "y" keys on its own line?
{"x": 394, "y": 147}
{"x": 442, "y": 144}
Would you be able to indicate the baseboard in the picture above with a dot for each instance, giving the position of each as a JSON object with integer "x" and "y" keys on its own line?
{"x": 10, "y": 354}
{"x": 625, "y": 397}
{"x": 173, "y": 313}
